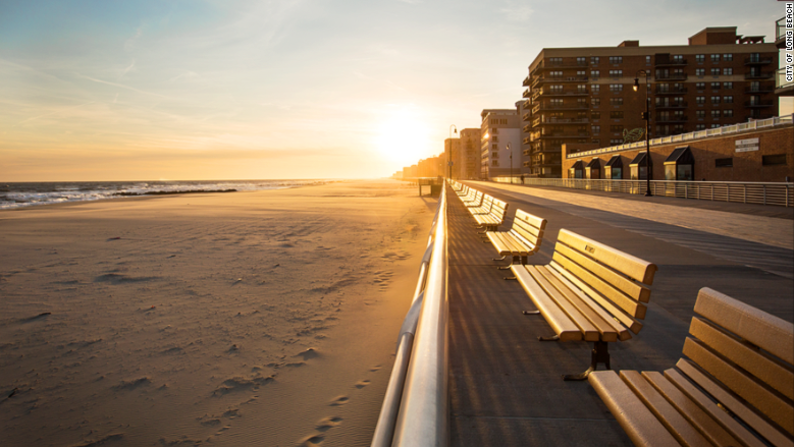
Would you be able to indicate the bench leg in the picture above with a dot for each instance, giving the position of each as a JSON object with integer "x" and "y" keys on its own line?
{"x": 530, "y": 312}
{"x": 500, "y": 259}
{"x": 600, "y": 355}
{"x": 552, "y": 338}
{"x": 510, "y": 278}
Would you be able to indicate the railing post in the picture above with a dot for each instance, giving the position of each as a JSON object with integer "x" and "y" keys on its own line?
{"x": 744, "y": 190}
{"x": 764, "y": 186}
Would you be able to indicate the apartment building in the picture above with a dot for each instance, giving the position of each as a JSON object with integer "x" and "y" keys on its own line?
{"x": 500, "y": 143}
{"x": 469, "y": 159}
{"x": 452, "y": 152}
{"x": 585, "y": 95}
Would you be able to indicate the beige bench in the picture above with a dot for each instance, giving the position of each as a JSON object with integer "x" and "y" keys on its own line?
{"x": 521, "y": 240}
{"x": 590, "y": 292}
{"x": 485, "y": 206}
{"x": 735, "y": 387}
{"x": 491, "y": 220}
{"x": 473, "y": 199}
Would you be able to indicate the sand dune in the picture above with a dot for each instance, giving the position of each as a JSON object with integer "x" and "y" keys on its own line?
{"x": 251, "y": 318}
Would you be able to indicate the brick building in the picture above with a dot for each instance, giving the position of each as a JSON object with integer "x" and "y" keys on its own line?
{"x": 760, "y": 151}
{"x": 469, "y": 160}
{"x": 585, "y": 95}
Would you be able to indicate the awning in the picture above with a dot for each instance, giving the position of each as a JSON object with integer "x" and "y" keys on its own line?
{"x": 639, "y": 160}
{"x": 615, "y": 162}
{"x": 594, "y": 163}
{"x": 681, "y": 155}
{"x": 577, "y": 165}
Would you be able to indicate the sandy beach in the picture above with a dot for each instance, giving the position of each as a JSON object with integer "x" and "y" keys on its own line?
{"x": 252, "y": 318}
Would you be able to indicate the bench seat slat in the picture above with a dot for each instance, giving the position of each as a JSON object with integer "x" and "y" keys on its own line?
{"x": 632, "y": 266}
{"x": 759, "y": 365}
{"x": 633, "y": 308}
{"x": 733, "y": 427}
{"x": 699, "y": 419}
{"x": 589, "y": 331}
{"x": 637, "y": 421}
{"x": 676, "y": 424}
{"x": 747, "y": 415}
{"x": 756, "y": 326}
{"x": 559, "y": 322}
{"x": 504, "y": 243}
{"x": 630, "y": 288}
{"x": 743, "y": 385}
{"x": 623, "y": 333}
{"x": 617, "y": 312}
{"x": 516, "y": 246}
{"x": 607, "y": 332}
{"x": 523, "y": 246}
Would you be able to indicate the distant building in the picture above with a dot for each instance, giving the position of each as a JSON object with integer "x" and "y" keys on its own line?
{"x": 784, "y": 85}
{"x": 470, "y": 154}
{"x": 585, "y": 95}
{"x": 500, "y": 128}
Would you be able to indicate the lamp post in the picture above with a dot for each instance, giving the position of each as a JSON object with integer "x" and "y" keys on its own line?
{"x": 647, "y": 117}
{"x": 449, "y": 162}
{"x": 511, "y": 162}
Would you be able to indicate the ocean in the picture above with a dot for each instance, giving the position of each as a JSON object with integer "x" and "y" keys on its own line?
{"x": 18, "y": 195}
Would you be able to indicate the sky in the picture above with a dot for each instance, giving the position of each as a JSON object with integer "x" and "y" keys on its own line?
{"x": 237, "y": 89}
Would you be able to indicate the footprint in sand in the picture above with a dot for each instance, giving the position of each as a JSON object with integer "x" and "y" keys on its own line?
{"x": 362, "y": 383}
{"x": 341, "y": 400}
{"x": 328, "y": 423}
{"x": 312, "y": 440}
{"x": 375, "y": 368}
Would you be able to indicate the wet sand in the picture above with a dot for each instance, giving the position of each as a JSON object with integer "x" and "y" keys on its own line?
{"x": 254, "y": 318}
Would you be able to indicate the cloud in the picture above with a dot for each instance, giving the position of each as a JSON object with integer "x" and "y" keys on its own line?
{"x": 114, "y": 84}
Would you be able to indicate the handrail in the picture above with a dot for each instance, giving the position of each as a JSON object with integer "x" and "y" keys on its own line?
{"x": 414, "y": 410}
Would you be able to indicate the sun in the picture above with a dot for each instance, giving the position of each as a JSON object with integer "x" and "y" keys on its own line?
{"x": 403, "y": 137}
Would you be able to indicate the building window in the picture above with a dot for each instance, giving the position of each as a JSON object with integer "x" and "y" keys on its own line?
{"x": 615, "y": 59}
{"x": 615, "y": 142}
{"x": 727, "y": 85}
{"x": 715, "y": 58}
{"x": 715, "y": 114}
{"x": 595, "y": 74}
{"x": 495, "y": 139}
{"x": 700, "y": 85}
{"x": 727, "y": 71}
{"x": 700, "y": 72}
{"x": 555, "y": 74}
{"x": 581, "y": 61}
{"x": 556, "y": 103}
{"x": 616, "y": 115}
{"x": 615, "y": 88}
{"x": 727, "y": 57}
{"x": 677, "y": 58}
{"x": 715, "y": 100}
{"x": 495, "y": 155}
{"x": 595, "y": 115}
{"x": 715, "y": 85}
{"x": 616, "y": 101}
{"x": 556, "y": 89}
{"x": 555, "y": 60}
{"x": 495, "y": 147}
{"x": 616, "y": 128}
{"x": 723, "y": 163}
{"x": 594, "y": 60}
{"x": 715, "y": 71}
{"x": 700, "y": 58}
{"x": 615, "y": 73}
{"x": 727, "y": 113}
{"x": 495, "y": 130}
{"x": 595, "y": 89}
{"x": 595, "y": 102}
{"x": 581, "y": 88}
{"x": 700, "y": 127}
{"x": 647, "y": 60}
{"x": 700, "y": 100}
{"x": 727, "y": 99}
{"x": 581, "y": 74}
{"x": 773, "y": 160}
{"x": 596, "y": 130}
{"x": 700, "y": 114}
{"x": 494, "y": 163}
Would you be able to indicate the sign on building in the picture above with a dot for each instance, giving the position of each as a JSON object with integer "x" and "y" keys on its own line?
{"x": 748, "y": 145}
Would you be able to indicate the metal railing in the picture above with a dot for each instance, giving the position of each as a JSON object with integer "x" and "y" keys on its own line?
{"x": 766, "y": 193}
{"x": 414, "y": 410}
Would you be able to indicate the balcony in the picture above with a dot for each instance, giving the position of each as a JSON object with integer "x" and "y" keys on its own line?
{"x": 567, "y": 79}
{"x": 670, "y": 91}
{"x": 563, "y": 134}
{"x": 671, "y": 62}
{"x": 761, "y": 89}
{"x": 671, "y": 76}
{"x": 526, "y": 117}
{"x": 527, "y": 128}
{"x": 535, "y": 80}
{"x": 758, "y": 60}
{"x": 527, "y": 80}
{"x": 672, "y": 105}
{"x": 527, "y": 93}
{"x": 564, "y": 93}
{"x": 569, "y": 64}
{"x": 784, "y": 87}
{"x": 577, "y": 106}
{"x": 567, "y": 121}
{"x": 671, "y": 119}
{"x": 760, "y": 75}
{"x": 760, "y": 103}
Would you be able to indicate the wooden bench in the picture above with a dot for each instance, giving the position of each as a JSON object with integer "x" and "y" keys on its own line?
{"x": 590, "y": 292}
{"x": 485, "y": 206}
{"x": 521, "y": 240}
{"x": 735, "y": 388}
{"x": 474, "y": 199}
{"x": 491, "y": 220}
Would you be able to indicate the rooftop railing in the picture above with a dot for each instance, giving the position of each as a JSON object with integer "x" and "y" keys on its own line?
{"x": 785, "y": 120}
{"x": 761, "y": 193}
{"x": 414, "y": 410}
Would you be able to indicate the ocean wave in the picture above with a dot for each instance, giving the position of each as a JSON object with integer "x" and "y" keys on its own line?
{"x": 18, "y": 195}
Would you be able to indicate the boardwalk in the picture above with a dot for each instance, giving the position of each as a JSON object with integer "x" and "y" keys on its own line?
{"x": 506, "y": 387}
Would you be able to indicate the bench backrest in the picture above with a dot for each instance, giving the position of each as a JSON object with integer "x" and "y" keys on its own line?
{"x": 617, "y": 281}
{"x": 499, "y": 209}
{"x": 530, "y": 228}
{"x": 476, "y": 198}
{"x": 751, "y": 353}
{"x": 487, "y": 202}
